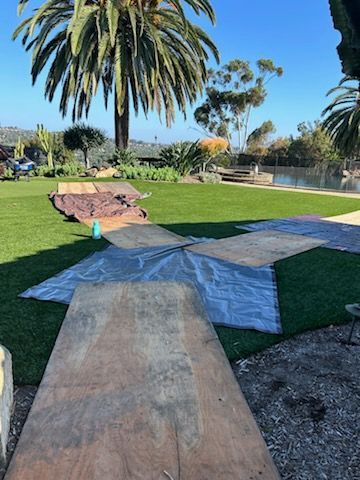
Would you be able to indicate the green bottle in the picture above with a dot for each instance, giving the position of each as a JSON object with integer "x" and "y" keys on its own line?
{"x": 96, "y": 230}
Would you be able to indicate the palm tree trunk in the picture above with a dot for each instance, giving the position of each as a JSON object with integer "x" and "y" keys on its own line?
{"x": 122, "y": 123}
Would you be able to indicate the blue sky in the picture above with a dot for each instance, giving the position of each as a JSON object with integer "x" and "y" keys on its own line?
{"x": 297, "y": 35}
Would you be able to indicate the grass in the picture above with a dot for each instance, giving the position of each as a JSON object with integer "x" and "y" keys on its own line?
{"x": 37, "y": 242}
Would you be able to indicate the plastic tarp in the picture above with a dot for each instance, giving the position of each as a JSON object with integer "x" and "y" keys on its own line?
{"x": 340, "y": 236}
{"x": 234, "y": 296}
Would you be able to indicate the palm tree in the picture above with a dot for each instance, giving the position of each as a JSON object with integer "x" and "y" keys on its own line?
{"x": 343, "y": 117}
{"x": 146, "y": 51}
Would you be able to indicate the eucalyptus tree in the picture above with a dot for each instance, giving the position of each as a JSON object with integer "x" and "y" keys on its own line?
{"x": 342, "y": 120}
{"x": 258, "y": 140}
{"x": 146, "y": 52}
{"x": 232, "y": 92}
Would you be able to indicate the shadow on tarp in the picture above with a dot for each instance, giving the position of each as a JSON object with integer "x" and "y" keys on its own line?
{"x": 313, "y": 289}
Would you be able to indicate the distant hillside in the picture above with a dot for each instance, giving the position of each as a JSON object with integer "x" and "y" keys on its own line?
{"x": 10, "y": 135}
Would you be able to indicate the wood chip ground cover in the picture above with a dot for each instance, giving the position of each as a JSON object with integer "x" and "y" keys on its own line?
{"x": 305, "y": 396}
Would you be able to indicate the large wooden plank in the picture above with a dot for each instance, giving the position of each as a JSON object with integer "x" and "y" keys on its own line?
{"x": 108, "y": 224}
{"x": 258, "y": 248}
{"x": 76, "y": 187}
{"x": 141, "y": 234}
{"x": 117, "y": 188}
{"x": 138, "y": 387}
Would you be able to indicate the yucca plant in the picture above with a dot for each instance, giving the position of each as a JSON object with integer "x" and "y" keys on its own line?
{"x": 342, "y": 121}
{"x": 183, "y": 156}
{"x": 144, "y": 50}
{"x": 19, "y": 150}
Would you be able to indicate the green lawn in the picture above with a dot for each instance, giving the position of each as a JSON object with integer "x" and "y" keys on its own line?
{"x": 37, "y": 242}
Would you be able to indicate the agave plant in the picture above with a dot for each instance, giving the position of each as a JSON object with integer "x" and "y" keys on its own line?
{"x": 343, "y": 117}
{"x": 183, "y": 156}
{"x": 144, "y": 50}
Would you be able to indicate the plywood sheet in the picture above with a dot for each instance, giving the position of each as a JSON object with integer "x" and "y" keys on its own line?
{"x": 258, "y": 248}
{"x": 135, "y": 234}
{"x": 352, "y": 218}
{"x": 117, "y": 188}
{"x": 76, "y": 187}
{"x": 109, "y": 224}
{"x": 139, "y": 388}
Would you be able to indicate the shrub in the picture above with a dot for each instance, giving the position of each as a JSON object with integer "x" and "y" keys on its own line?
{"x": 124, "y": 157}
{"x": 214, "y": 146}
{"x": 166, "y": 174}
{"x": 223, "y": 160}
{"x": 44, "y": 171}
{"x": 207, "y": 177}
{"x": 185, "y": 157}
{"x": 8, "y": 173}
{"x": 71, "y": 169}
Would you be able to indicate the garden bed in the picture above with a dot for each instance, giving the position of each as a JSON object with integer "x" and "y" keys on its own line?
{"x": 304, "y": 394}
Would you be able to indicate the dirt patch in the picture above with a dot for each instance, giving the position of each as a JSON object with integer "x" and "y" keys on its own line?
{"x": 305, "y": 396}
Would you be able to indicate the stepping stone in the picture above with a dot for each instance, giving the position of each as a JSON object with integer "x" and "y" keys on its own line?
{"x": 6, "y": 400}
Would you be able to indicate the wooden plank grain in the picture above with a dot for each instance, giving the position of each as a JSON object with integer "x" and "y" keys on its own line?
{"x": 76, "y": 188}
{"x": 109, "y": 224}
{"x": 117, "y": 188}
{"x": 258, "y": 248}
{"x": 138, "y": 387}
{"x": 141, "y": 234}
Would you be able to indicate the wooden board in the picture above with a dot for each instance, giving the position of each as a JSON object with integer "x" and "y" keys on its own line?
{"x": 108, "y": 224}
{"x": 140, "y": 234}
{"x": 76, "y": 187}
{"x": 117, "y": 188}
{"x": 258, "y": 248}
{"x": 139, "y": 388}
{"x": 352, "y": 218}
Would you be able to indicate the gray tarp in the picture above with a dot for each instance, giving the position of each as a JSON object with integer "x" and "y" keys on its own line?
{"x": 340, "y": 236}
{"x": 234, "y": 296}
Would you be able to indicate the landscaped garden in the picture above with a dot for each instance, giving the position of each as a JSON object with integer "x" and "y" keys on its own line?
{"x": 37, "y": 242}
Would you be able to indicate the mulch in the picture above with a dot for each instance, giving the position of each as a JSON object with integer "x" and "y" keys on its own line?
{"x": 305, "y": 396}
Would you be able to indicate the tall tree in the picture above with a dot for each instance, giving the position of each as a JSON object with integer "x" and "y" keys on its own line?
{"x": 258, "y": 141}
{"x": 342, "y": 121}
{"x": 144, "y": 51}
{"x": 313, "y": 144}
{"x": 346, "y": 15}
{"x": 231, "y": 94}
{"x": 83, "y": 137}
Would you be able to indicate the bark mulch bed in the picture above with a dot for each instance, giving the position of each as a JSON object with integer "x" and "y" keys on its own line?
{"x": 305, "y": 396}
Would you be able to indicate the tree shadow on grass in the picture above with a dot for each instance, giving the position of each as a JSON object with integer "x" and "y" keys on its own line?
{"x": 313, "y": 290}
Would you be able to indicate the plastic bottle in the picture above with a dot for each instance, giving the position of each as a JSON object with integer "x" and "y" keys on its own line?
{"x": 96, "y": 230}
